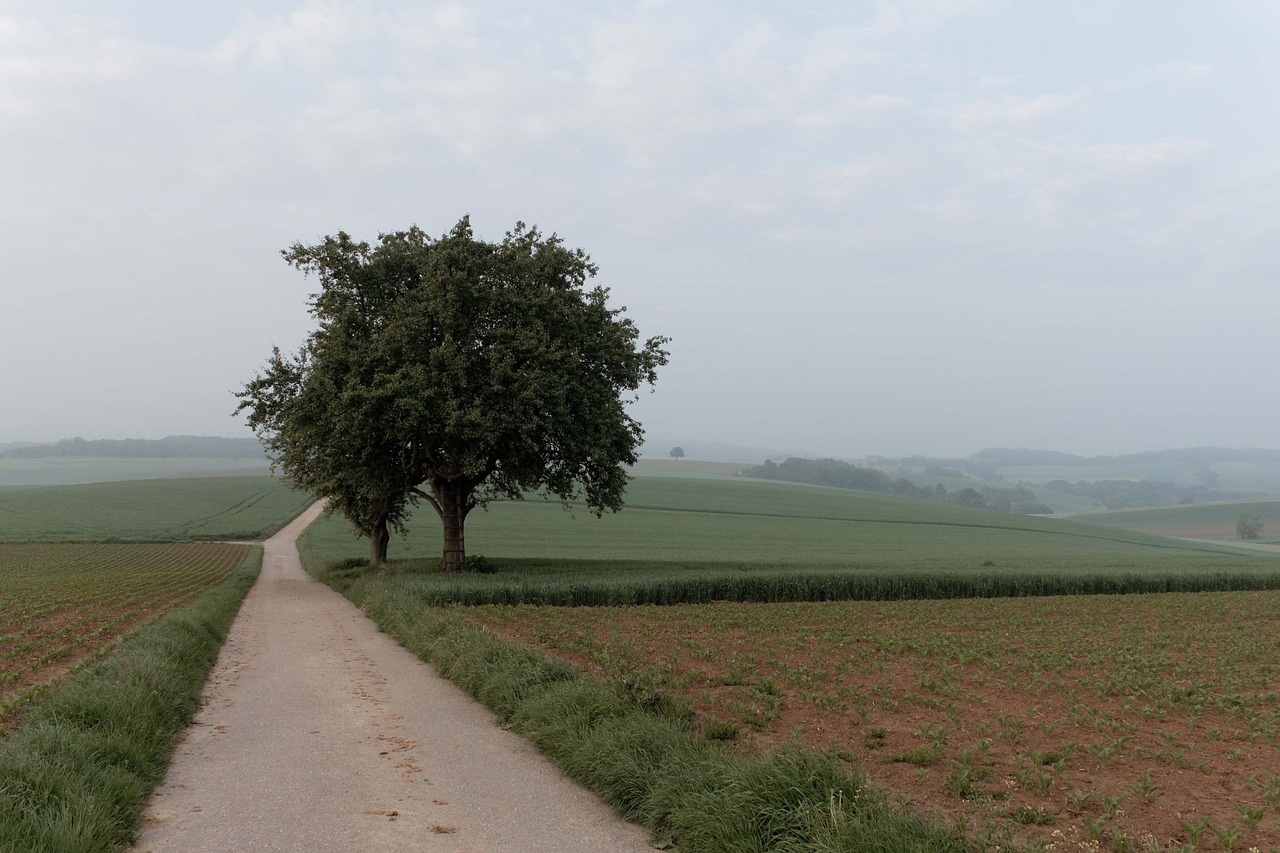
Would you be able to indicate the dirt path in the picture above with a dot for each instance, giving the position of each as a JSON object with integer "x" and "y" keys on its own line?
{"x": 318, "y": 733}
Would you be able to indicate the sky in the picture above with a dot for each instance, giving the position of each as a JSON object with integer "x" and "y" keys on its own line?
{"x": 922, "y": 227}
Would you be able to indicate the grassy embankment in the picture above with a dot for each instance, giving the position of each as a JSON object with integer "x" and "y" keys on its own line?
{"x": 90, "y": 744}
{"x": 634, "y": 737}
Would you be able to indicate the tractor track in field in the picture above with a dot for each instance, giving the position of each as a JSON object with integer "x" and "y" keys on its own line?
{"x": 318, "y": 733}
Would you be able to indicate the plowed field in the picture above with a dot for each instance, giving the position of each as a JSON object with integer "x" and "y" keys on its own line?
{"x": 62, "y": 603}
{"x": 1140, "y": 722}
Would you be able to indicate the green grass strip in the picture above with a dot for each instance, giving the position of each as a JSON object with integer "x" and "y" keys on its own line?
{"x": 75, "y": 776}
{"x": 643, "y": 756}
{"x": 644, "y": 584}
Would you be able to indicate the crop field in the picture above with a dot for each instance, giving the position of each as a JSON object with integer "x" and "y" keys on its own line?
{"x": 706, "y": 539}
{"x": 1131, "y": 721}
{"x": 150, "y": 510}
{"x": 724, "y": 520}
{"x": 66, "y": 470}
{"x": 62, "y": 603}
{"x": 1195, "y": 521}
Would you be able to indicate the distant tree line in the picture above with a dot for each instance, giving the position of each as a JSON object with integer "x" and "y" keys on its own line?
{"x": 1155, "y": 464}
{"x": 1125, "y": 494}
{"x": 174, "y": 446}
{"x": 1015, "y": 499}
{"x": 843, "y": 475}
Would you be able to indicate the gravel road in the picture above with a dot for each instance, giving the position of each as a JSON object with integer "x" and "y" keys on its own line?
{"x": 318, "y": 733}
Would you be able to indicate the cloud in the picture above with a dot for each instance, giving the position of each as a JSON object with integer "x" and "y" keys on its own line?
{"x": 46, "y": 66}
{"x": 1015, "y": 109}
{"x": 1136, "y": 157}
{"x": 923, "y": 163}
{"x": 312, "y": 37}
{"x": 894, "y": 15}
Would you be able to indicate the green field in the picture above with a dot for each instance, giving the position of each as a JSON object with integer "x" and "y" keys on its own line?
{"x": 202, "y": 508}
{"x": 67, "y": 470}
{"x": 706, "y": 538}
{"x": 707, "y": 519}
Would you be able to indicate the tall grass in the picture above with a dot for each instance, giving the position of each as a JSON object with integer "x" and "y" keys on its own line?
{"x": 624, "y": 583}
{"x": 75, "y": 775}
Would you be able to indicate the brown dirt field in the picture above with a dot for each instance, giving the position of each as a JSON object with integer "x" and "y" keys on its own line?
{"x": 36, "y": 653}
{"x": 1162, "y": 773}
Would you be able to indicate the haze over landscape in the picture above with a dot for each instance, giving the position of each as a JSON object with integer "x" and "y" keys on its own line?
{"x": 870, "y": 228}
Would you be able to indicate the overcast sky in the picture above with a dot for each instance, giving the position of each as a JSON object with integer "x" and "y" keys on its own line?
{"x": 887, "y": 228}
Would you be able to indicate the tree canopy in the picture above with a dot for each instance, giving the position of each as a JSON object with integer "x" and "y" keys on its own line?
{"x": 1249, "y": 526}
{"x": 455, "y": 371}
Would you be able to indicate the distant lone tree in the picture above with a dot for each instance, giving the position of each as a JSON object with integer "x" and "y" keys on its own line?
{"x": 1249, "y": 526}
{"x": 677, "y": 452}
{"x": 454, "y": 371}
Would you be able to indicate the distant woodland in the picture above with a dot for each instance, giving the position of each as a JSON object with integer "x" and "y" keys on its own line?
{"x": 843, "y": 475}
{"x": 1103, "y": 488}
{"x": 1160, "y": 464}
{"x": 1130, "y": 494}
{"x": 174, "y": 446}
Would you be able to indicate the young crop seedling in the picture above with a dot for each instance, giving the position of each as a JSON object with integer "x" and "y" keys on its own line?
{"x": 1251, "y": 814}
{"x": 1094, "y": 826}
{"x": 1227, "y": 836}
{"x": 1271, "y": 789}
{"x": 1144, "y": 787}
{"x": 1194, "y": 829}
{"x": 1078, "y": 800}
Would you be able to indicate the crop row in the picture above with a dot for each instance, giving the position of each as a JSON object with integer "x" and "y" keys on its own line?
{"x": 703, "y": 584}
{"x": 1146, "y": 722}
{"x": 62, "y": 603}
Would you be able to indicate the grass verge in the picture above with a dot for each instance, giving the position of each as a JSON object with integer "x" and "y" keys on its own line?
{"x": 640, "y": 753}
{"x": 75, "y": 776}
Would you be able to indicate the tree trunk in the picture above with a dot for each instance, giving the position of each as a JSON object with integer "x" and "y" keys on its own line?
{"x": 379, "y": 539}
{"x": 453, "y": 501}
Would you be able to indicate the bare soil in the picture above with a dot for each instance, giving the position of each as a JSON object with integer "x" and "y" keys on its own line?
{"x": 1198, "y": 780}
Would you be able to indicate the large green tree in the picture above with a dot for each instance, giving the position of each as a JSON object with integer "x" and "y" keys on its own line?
{"x": 454, "y": 371}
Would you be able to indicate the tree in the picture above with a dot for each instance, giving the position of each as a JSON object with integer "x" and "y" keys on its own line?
{"x": 969, "y": 497}
{"x": 677, "y": 452}
{"x": 454, "y": 371}
{"x": 1249, "y": 526}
